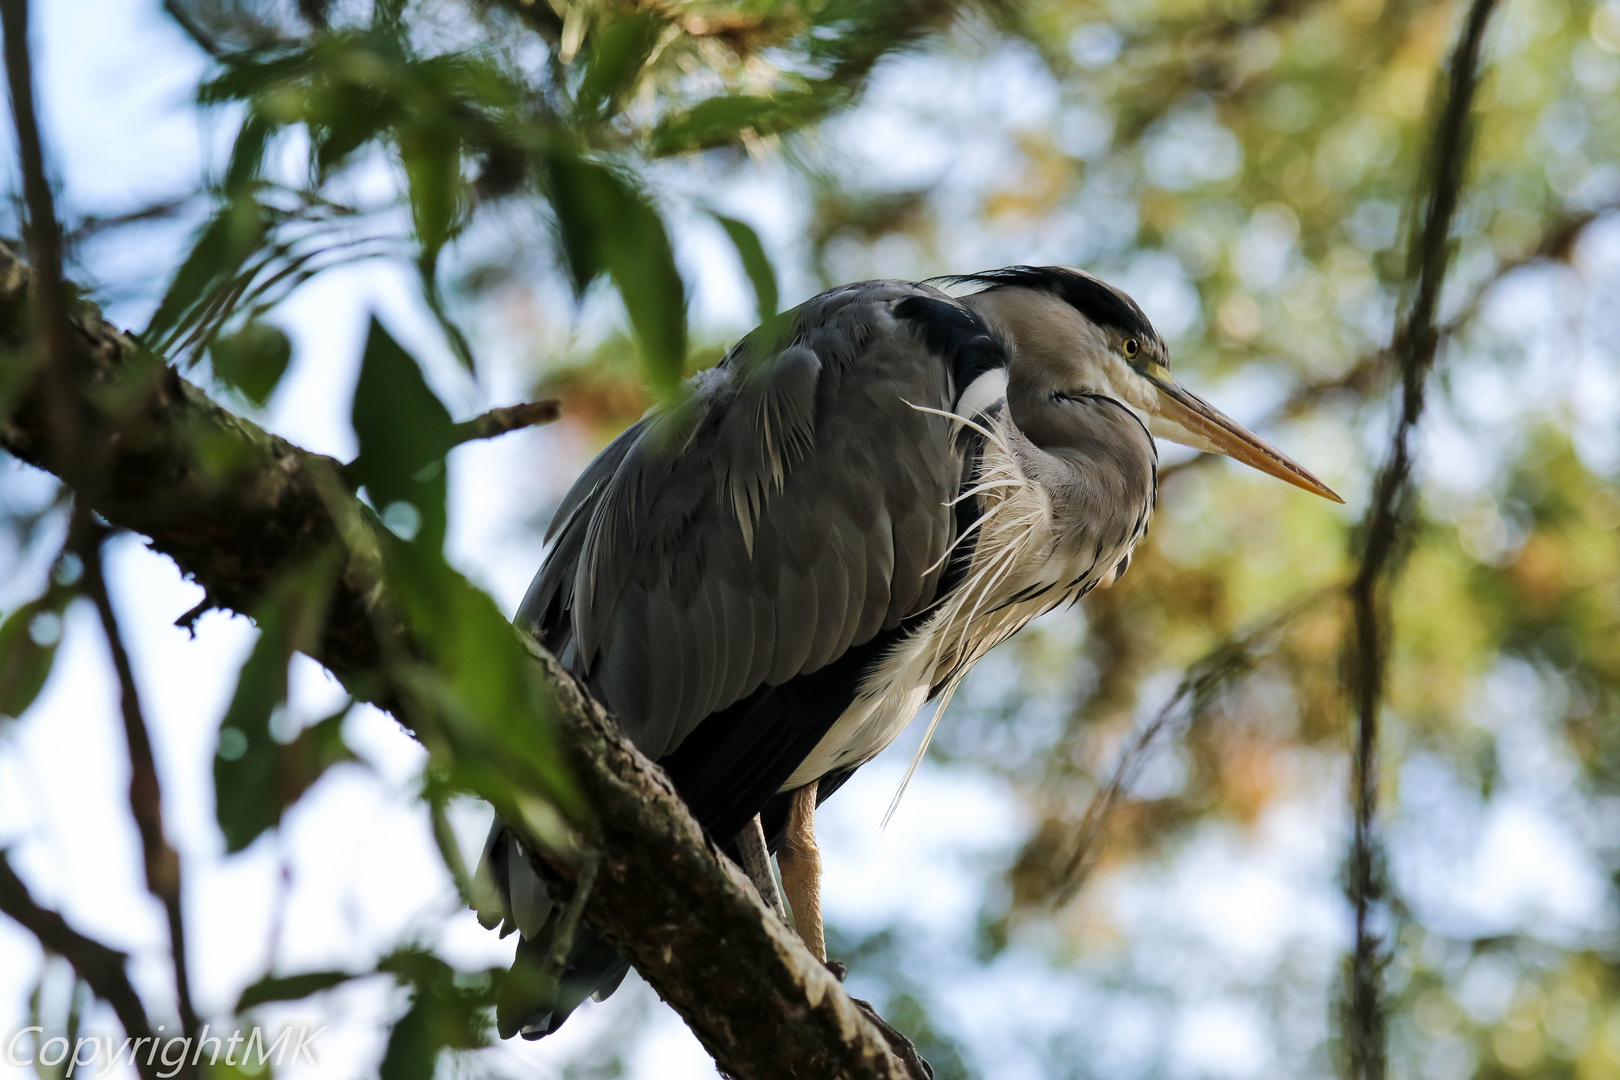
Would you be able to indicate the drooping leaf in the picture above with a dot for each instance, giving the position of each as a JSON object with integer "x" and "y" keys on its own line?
{"x": 252, "y": 360}
{"x": 257, "y": 777}
{"x": 289, "y": 987}
{"x": 756, "y": 264}
{"x": 608, "y": 226}
{"x": 404, "y": 433}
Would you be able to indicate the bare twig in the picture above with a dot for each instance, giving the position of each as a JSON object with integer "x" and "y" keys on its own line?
{"x": 95, "y": 963}
{"x": 1198, "y": 687}
{"x": 94, "y": 225}
{"x": 1384, "y": 536}
{"x": 508, "y": 418}
{"x": 162, "y": 863}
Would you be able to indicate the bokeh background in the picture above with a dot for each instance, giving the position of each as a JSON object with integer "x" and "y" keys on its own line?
{"x": 1246, "y": 172}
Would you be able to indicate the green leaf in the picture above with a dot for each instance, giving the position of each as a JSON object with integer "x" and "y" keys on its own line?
{"x": 478, "y": 701}
{"x": 290, "y": 987}
{"x": 256, "y": 777}
{"x": 254, "y": 73}
{"x": 252, "y": 360}
{"x": 28, "y": 640}
{"x": 404, "y": 432}
{"x": 431, "y": 156}
{"x": 756, "y": 264}
{"x": 722, "y": 121}
{"x": 247, "y": 155}
{"x": 620, "y": 51}
{"x": 608, "y": 226}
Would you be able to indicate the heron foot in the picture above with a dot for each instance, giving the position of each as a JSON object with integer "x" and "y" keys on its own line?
{"x": 799, "y": 859}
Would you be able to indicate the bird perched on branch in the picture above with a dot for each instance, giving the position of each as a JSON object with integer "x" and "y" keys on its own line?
{"x": 765, "y": 581}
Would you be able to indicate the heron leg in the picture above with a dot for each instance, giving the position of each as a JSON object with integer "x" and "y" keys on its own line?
{"x": 756, "y": 862}
{"x": 800, "y": 862}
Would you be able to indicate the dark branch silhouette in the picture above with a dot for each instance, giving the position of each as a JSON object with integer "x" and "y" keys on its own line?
{"x": 1384, "y": 537}
{"x": 161, "y": 861}
{"x": 102, "y": 968}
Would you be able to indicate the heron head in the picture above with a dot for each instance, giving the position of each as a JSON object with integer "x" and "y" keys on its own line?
{"x": 1075, "y": 335}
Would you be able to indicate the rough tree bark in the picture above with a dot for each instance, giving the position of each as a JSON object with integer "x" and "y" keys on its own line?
{"x": 236, "y": 507}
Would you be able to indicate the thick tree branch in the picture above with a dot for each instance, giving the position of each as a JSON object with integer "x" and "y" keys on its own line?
{"x": 236, "y": 508}
{"x": 95, "y": 963}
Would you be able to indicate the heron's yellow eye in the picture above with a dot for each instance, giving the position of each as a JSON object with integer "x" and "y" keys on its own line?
{"x": 1131, "y": 347}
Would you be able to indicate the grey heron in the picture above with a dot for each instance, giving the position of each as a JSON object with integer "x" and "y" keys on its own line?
{"x": 765, "y": 582}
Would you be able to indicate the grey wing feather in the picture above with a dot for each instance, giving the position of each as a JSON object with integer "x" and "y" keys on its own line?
{"x": 793, "y": 506}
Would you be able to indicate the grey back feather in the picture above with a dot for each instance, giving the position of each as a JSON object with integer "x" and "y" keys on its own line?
{"x": 793, "y": 506}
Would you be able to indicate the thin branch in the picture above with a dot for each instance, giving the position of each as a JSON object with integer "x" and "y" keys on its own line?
{"x": 103, "y": 968}
{"x": 1385, "y": 535}
{"x": 94, "y": 225}
{"x": 41, "y": 230}
{"x": 1197, "y": 689}
{"x": 508, "y": 418}
{"x": 162, "y": 863}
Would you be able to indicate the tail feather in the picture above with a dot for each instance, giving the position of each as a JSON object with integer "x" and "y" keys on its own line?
{"x": 508, "y": 893}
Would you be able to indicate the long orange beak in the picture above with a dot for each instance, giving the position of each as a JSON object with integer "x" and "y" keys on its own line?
{"x": 1215, "y": 432}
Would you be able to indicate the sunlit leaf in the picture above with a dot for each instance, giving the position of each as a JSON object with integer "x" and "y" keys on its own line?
{"x": 618, "y": 54}
{"x": 722, "y": 121}
{"x": 252, "y": 360}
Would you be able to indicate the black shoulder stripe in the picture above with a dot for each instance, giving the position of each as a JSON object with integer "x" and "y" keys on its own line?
{"x": 954, "y": 332}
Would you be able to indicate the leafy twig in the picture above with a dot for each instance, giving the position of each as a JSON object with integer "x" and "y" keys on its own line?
{"x": 1384, "y": 538}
